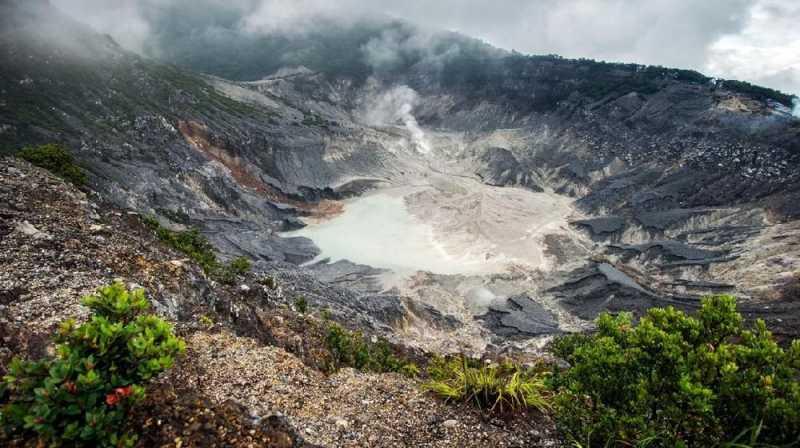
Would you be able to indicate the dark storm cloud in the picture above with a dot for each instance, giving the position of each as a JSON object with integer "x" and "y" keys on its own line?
{"x": 751, "y": 39}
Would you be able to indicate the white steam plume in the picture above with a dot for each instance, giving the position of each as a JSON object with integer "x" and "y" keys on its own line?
{"x": 395, "y": 106}
{"x": 796, "y": 107}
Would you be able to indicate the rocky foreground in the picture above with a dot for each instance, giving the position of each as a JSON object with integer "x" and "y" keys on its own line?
{"x": 253, "y": 374}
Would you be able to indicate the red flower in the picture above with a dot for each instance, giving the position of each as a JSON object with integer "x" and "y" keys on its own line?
{"x": 123, "y": 391}
{"x": 112, "y": 399}
{"x": 71, "y": 387}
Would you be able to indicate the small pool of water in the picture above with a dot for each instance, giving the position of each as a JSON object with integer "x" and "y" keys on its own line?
{"x": 378, "y": 230}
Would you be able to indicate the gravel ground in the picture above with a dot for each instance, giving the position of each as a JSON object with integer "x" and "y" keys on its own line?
{"x": 348, "y": 408}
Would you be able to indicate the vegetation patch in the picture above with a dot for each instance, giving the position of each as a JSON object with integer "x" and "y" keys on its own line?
{"x": 758, "y": 92}
{"x": 196, "y": 246}
{"x": 269, "y": 282}
{"x": 312, "y": 119}
{"x": 56, "y": 159}
{"x": 84, "y": 394}
{"x": 502, "y": 387}
{"x": 353, "y": 349}
{"x": 675, "y": 380}
{"x": 227, "y": 273}
{"x": 301, "y": 305}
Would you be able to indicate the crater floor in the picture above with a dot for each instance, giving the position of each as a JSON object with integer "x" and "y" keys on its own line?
{"x": 450, "y": 241}
{"x": 473, "y": 230}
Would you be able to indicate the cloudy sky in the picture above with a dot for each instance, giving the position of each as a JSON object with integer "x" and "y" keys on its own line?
{"x": 753, "y": 40}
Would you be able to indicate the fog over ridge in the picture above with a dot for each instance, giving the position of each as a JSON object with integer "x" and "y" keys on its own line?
{"x": 752, "y": 40}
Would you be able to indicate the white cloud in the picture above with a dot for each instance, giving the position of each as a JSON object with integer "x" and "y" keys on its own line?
{"x": 765, "y": 51}
{"x": 754, "y": 40}
{"x": 123, "y": 21}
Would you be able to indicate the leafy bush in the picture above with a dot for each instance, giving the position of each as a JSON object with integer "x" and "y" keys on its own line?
{"x": 197, "y": 247}
{"x": 325, "y": 314}
{"x": 502, "y": 387}
{"x": 679, "y": 380}
{"x": 301, "y": 304}
{"x": 56, "y": 159}
{"x": 270, "y": 282}
{"x": 352, "y": 349}
{"x": 205, "y": 321}
{"x": 565, "y": 346}
{"x": 84, "y": 394}
{"x": 240, "y": 265}
{"x": 227, "y": 273}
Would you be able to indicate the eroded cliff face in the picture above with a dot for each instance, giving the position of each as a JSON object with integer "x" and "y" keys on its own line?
{"x": 621, "y": 202}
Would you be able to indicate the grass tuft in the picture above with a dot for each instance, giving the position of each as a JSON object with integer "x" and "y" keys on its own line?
{"x": 496, "y": 387}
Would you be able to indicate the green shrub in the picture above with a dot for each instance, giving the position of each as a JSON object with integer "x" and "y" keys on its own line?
{"x": 502, "y": 387}
{"x": 410, "y": 370}
{"x": 352, "y": 349}
{"x": 301, "y": 304}
{"x": 270, "y": 282}
{"x": 197, "y": 247}
{"x": 679, "y": 380}
{"x": 227, "y": 273}
{"x": 56, "y": 159}
{"x": 564, "y": 346}
{"x": 83, "y": 395}
{"x": 205, "y": 321}
{"x": 240, "y": 265}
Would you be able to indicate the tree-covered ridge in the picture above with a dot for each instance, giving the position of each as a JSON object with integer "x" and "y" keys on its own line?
{"x": 214, "y": 41}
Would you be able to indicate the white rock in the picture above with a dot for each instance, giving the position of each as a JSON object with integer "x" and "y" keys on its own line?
{"x": 244, "y": 288}
{"x": 450, "y": 423}
{"x": 342, "y": 423}
{"x": 28, "y": 229}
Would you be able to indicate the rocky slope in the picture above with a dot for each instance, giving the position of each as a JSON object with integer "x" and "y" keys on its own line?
{"x": 674, "y": 185}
